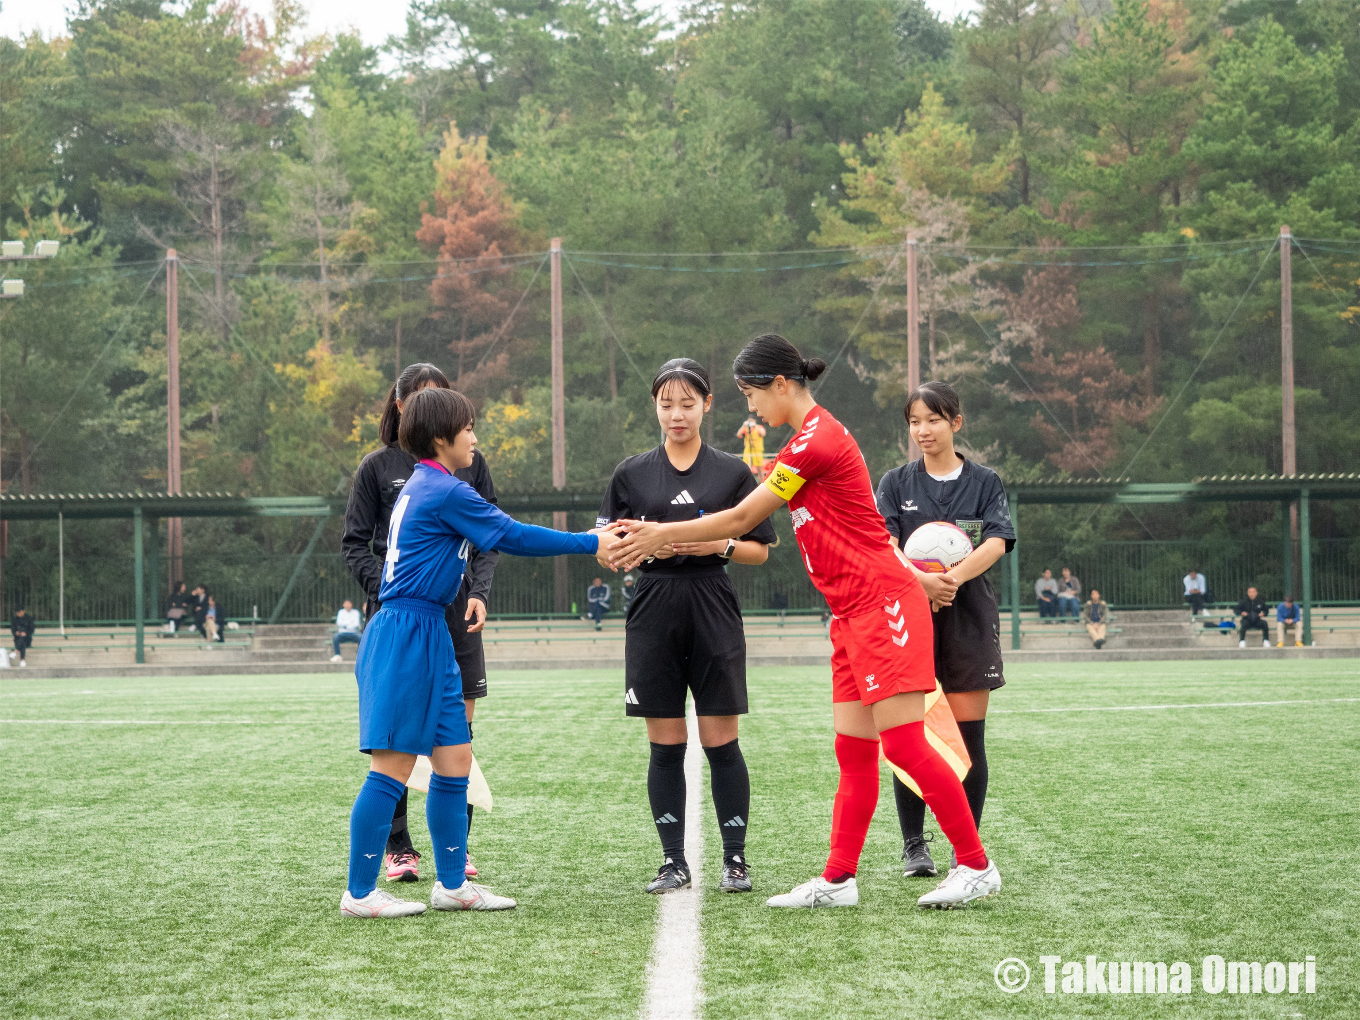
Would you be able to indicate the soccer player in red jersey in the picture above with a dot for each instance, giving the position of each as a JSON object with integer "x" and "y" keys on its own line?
{"x": 882, "y": 660}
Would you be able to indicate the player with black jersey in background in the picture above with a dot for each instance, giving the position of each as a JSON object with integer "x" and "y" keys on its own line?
{"x": 377, "y": 484}
{"x": 944, "y": 486}
{"x": 684, "y": 629}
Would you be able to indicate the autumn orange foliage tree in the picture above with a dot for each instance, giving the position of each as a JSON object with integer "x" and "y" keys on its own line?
{"x": 474, "y": 223}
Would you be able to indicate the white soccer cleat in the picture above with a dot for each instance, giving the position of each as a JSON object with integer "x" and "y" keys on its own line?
{"x": 468, "y": 896}
{"x": 962, "y": 885}
{"x": 1242, "y": 643}
{"x": 819, "y": 893}
{"x": 1265, "y": 643}
{"x": 336, "y": 658}
{"x": 378, "y": 903}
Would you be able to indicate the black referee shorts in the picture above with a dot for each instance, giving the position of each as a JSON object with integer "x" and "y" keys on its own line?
{"x": 467, "y": 648}
{"x": 968, "y": 640}
{"x": 685, "y": 633}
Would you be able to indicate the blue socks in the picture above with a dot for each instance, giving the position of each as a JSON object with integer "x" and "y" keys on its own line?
{"x": 447, "y": 814}
{"x": 369, "y": 823}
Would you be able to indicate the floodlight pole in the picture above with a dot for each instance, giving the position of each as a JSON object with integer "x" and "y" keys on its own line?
{"x": 561, "y": 584}
{"x": 913, "y": 336}
{"x": 172, "y": 479}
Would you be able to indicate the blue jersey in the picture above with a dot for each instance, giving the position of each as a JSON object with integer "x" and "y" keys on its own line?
{"x": 437, "y": 520}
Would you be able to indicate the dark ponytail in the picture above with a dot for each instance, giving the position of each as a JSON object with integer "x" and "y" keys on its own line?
{"x": 770, "y": 355}
{"x": 412, "y": 378}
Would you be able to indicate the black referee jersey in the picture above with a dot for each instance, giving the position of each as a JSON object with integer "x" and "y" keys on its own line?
{"x": 967, "y": 633}
{"x": 649, "y": 487}
{"x": 684, "y": 629}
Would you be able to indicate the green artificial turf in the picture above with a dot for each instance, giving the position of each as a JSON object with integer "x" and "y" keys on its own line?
{"x": 195, "y": 870}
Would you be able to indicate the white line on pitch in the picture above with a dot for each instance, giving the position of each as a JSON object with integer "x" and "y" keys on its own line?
{"x": 673, "y": 991}
{"x": 1159, "y": 708}
{"x": 140, "y": 722}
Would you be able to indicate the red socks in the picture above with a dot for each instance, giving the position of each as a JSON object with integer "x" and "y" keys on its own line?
{"x": 906, "y": 747}
{"x": 856, "y": 799}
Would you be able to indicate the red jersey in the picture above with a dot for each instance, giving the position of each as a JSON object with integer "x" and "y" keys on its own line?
{"x": 845, "y": 545}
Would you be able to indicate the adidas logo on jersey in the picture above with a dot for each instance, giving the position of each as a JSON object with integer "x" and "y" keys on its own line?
{"x": 800, "y": 515}
{"x": 736, "y": 822}
{"x": 683, "y": 498}
{"x": 630, "y": 698}
{"x": 667, "y": 819}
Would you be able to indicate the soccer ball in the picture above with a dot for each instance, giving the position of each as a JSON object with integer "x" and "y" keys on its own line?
{"x": 937, "y": 547}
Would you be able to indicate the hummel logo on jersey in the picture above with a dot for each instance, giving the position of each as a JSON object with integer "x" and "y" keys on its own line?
{"x": 630, "y": 698}
{"x": 809, "y": 427}
{"x": 908, "y": 505}
{"x": 683, "y": 498}
{"x": 666, "y": 819}
{"x": 897, "y": 623}
{"x": 801, "y": 515}
{"x": 736, "y": 822}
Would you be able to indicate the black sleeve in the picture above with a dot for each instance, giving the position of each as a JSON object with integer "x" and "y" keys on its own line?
{"x": 763, "y": 532}
{"x": 996, "y": 513}
{"x": 887, "y": 502}
{"x": 361, "y": 518}
{"x": 615, "y": 503}
{"x": 482, "y": 567}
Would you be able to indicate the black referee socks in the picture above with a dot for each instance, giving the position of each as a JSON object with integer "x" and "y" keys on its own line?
{"x": 731, "y": 785}
{"x": 911, "y": 809}
{"x": 666, "y": 792}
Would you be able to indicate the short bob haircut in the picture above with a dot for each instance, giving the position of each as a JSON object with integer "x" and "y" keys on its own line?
{"x": 430, "y": 414}
{"x": 940, "y": 397}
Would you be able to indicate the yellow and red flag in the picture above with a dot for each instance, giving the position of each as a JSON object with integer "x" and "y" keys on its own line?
{"x": 942, "y": 733}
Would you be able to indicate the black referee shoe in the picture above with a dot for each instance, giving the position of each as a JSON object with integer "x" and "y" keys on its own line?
{"x": 671, "y": 877}
{"x": 736, "y": 876}
{"x": 917, "y": 856}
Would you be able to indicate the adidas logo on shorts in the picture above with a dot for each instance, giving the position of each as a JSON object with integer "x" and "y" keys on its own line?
{"x": 630, "y": 698}
{"x": 683, "y": 498}
{"x": 666, "y": 819}
{"x": 736, "y": 822}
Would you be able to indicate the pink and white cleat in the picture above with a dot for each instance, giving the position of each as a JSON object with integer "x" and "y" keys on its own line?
{"x": 469, "y": 869}
{"x": 401, "y": 867}
{"x": 468, "y": 897}
{"x": 378, "y": 903}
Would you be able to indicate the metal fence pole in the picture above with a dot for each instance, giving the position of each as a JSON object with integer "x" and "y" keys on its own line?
{"x": 297, "y": 570}
{"x": 1306, "y": 566}
{"x": 139, "y": 584}
{"x": 61, "y": 574}
{"x": 1287, "y": 549}
{"x": 1015, "y": 575}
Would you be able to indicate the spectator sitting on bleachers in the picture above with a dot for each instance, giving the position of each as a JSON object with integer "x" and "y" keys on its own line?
{"x": 1046, "y": 591}
{"x": 597, "y": 599}
{"x": 1069, "y": 594}
{"x": 1196, "y": 591}
{"x": 21, "y": 626}
{"x": 212, "y": 621}
{"x": 1096, "y": 614}
{"x": 199, "y": 605}
{"x": 347, "y": 625}
{"x": 1251, "y": 611}
{"x": 1289, "y": 616}
{"x": 629, "y": 590}
{"x": 177, "y": 609}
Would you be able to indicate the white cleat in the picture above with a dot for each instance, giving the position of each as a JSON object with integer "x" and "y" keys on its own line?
{"x": 1265, "y": 643}
{"x": 819, "y": 893}
{"x": 468, "y": 896}
{"x": 337, "y": 658}
{"x": 962, "y": 885}
{"x": 378, "y": 903}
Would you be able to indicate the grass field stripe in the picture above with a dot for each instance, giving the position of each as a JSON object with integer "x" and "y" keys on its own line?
{"x": 673, "y": 991}
{"x": 1162, "y": 708}
{"x": 146, "y": 722}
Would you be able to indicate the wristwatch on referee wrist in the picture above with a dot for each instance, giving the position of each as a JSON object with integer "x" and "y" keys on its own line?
{"x": 726, "y": 554}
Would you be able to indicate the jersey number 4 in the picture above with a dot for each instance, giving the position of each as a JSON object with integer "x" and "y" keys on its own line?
{"x": 393, "y": 529}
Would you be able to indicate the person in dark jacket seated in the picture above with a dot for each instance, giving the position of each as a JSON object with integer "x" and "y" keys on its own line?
{"x": 1251, "y": 614}
{"x": 1289, "y": 616}
{"x": 21, "y": 625}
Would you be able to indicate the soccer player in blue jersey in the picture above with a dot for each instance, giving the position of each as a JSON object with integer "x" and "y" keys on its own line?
{"x": 410, "y": 691}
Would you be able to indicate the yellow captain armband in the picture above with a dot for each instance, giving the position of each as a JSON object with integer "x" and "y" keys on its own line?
{"x": 784, "y": 481}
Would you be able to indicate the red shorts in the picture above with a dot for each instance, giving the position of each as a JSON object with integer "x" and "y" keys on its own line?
{"x": 892, "y": 651}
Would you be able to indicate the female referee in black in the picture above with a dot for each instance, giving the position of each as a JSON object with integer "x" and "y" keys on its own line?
{"x": 377, "y": 484}
{"x": 684, "y": 628}
{"x": 943, "y": 486}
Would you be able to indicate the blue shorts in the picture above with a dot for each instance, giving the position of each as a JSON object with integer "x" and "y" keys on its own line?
{"x": 410, "y": 690}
